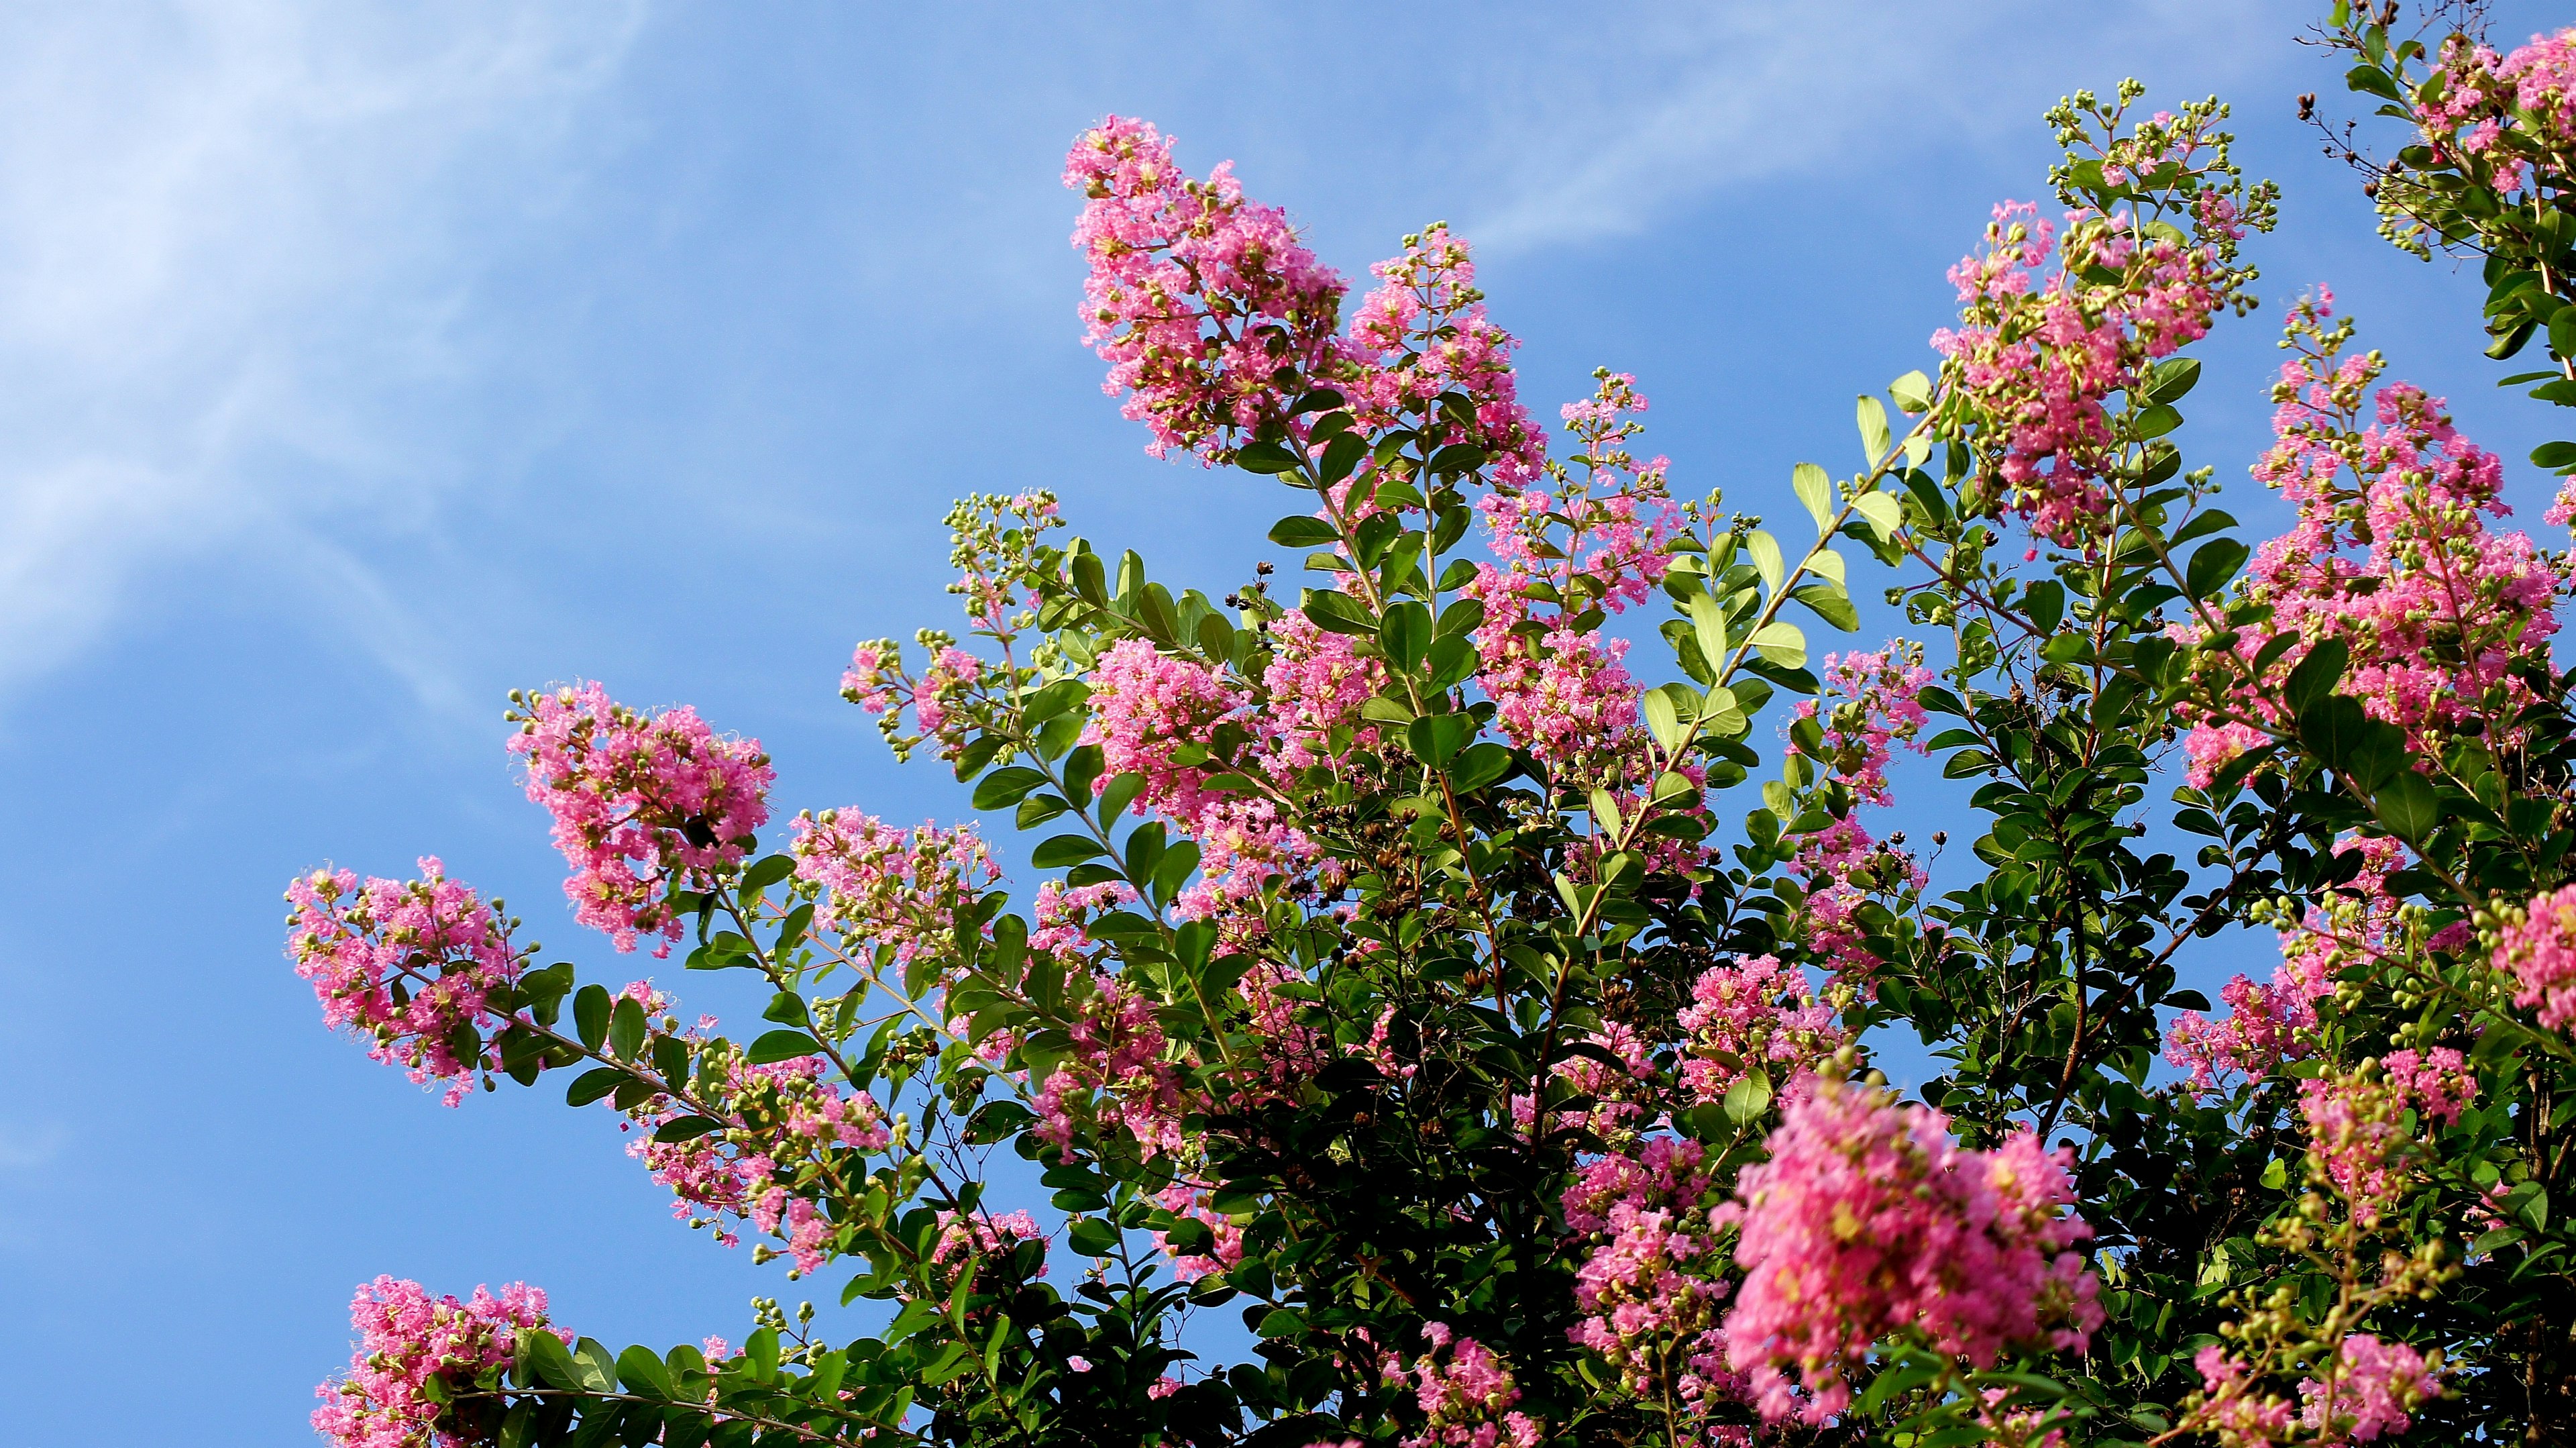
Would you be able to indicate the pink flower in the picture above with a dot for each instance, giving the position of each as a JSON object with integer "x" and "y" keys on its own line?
{"x": 643, "y": 804}
{"x": 1196, "y": 296}
{"x": 1466, "y": 1402}
{"x": 1191, "y": 1201}
{"x": 412, "y": 965}
{"x": 1868, "y": 1221}
{"x": 900, "y": 889}
{"x": 2042, "y": 347}
{"x": 1115, "y": 1074}
{"x": 2377, "y": 1384}
{"x": 1755, "y": 1013}
{"x": 406, "y": 1339}
{"x": 2391, "y": 557}
{"x": 2539, "y": 949}
{"x": 1877, "y": 708}
{"x": 1422, "y": 334}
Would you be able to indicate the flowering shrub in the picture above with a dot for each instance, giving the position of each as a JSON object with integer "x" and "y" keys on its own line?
{"x": 1481, "y": 970}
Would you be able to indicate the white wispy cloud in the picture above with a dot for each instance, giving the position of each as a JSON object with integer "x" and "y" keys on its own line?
{"x": 1605, "y": 131}
{"x": 230, "y": 231}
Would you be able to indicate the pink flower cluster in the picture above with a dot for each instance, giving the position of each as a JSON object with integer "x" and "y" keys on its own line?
{"x": 2375, "y": 1386}
{"x": 1594, "y": 543}
{"x": 2357, "y": 1133}
{"x": 642, "y": 804}
{"x": 1651, "y": 1284}
{"x": 900, "y": 890}
{"x": 1869, "y": 1221}
{"x": 2514, "y": 114}
{"x": 1146, "y": 706}
{"x": 2539, "y": 950}
{"x": 1755, "y": 1013}
{"x": 2040, "y": 351}
{"x": 1191, "y": 1200}
{"x": 779, "y": 1126}
{"x": 1115, "y": 1074}
{"x": 1873, "y": 705}
{"x": 971, "y": 1239}
{"x": 411, "y": 964}
{"x": 2265, "y": 1025}
{"x": 1196, "y": 295}
{"x": 1467, "y": 1401}
{"x": 408, "y": 1341}
{"x": 1423, "y": 333}
{"x": 2397, "y": 563}
{"x": 1842, "y": 868}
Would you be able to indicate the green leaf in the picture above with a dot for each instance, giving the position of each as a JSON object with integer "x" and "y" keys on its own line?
{"x": 1663, "y": 720}
{"x": 780, "y": 1046}
{"x": 626, "y": 1028}
{"x": 2409, "y": 805}
{"x": 551, "y": 1360}
{"x": 1093, "y": 1237}
{"x": 2045, "y": 602}
{"x": 1874, "y": 439}
{"x": 595, "y": 1365}
{"x": 1335, "y": 612}
{"x": 641, "y": 1370}
{"x": 1816, "y": 490}
{"x": 2276, "y": 1174}
{"x": 1006, "y": 787}
{"x": 1766, "y": 558}
{"x": 1120, "y": 793}
{"x": 1481, "y": 765}
{"x": 1748, "y": 1098}
{"x": 1434, "y": 738}
{"x": 2316, "y": 675}
{"x": 1882, "y": 511}
{"x": 2168, "y": 380}
{"x": 590, "y": 1011}
{"x": 1299, "y": 531}
{"x": 686, "y": 1128}
{"x": 1267, "y": 458}
{"x": 593, "y": 1084}
{"x": 1708, "y": 622}
{"x": 2213, "y": 566}
{"x": 1782, "y": 644}
{"x": 1405, "y": 634}
{"x": 1829, "y": 603}
{"x": 1913, "y": 392}
{"x": 1063, "y": 850}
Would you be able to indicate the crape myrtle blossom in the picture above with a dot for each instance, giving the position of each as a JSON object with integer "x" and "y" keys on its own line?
{"x": 2356, "y": 925}
{"x": 411, "y": 965}
{"x": 2507, "y": 117}
{"x": 2538, "y": 948}
{"x": 643, "y": 804}
{"x": 900, "y": 891}
{"x": 1114, "y": 1076}
{"x": 1196, "y": 296}
{"x": 1466, "y": 1401}
{"x": 1190, "y": 1200}
{"x": 1423, "y": 333}
{"x": 2358, "y": 1138}
{"x": 2057, "y": 319}
{"x": 780, "y": 1127}
{"x": 2390, "y": 557}
{"x": 1756, "y": 1014}
{"x": 1868, "y": 1221}
{"x": 1651, "y": 1284}
{"x": 1844, "y": 870}
{"x": 1870, "y": 704}
{"x": 413, "y": 1353}
{"x": 2376, "y": 1385}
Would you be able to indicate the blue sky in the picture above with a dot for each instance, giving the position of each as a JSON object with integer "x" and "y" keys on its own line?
{"x": 359, "y": 363}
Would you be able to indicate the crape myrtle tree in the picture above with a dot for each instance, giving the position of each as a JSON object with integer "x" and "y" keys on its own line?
{"x": 1465, "y": 966}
